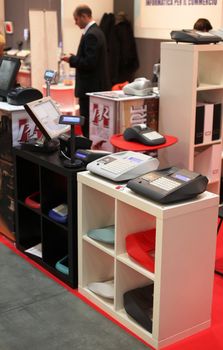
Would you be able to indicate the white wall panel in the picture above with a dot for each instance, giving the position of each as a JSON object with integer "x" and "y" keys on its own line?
{"x": 70, "y": 32}
{"x": 2, "y": 16}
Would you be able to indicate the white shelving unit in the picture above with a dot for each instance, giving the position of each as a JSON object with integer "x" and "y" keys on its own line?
{"x": 189, "y": 74}
{"x": 184, "y": 256}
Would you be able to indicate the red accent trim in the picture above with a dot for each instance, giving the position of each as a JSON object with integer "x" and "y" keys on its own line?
{"x": 208, "y": 339}
{"x": 118, "y": 141}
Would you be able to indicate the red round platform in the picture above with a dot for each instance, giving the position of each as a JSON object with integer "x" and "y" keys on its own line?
{"x": 118, "y": 141}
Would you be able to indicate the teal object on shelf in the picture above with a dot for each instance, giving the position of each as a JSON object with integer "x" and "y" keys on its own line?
{"x": 104, "y": 234}
{"x": 62, "y": 265}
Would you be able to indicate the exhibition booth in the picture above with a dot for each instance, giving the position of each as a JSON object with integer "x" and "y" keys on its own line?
{"x": 127, "y": 217}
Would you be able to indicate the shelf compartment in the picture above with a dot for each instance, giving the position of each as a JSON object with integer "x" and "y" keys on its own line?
{"x": 98, "y": 267}
{"x": 130, "y": 220}
{"x": 213, "y": 76}
{"x": 27, "y": 178}
{"x": 29, "y": 228}
{"x": 207, "y": 161}
{"x": 54, "y": 243}
{"x": 98, "y": 210}
{"x": 53, "y": 189}
{"x": 128, "y": 279}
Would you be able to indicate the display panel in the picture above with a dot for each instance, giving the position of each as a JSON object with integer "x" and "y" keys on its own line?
{"x": 46, "y": 115}
{"x": 9, "y": 67}
{"x": 71, "y": 119}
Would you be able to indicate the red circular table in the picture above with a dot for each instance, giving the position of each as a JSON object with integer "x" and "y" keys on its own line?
{"x": 118, "y": 141}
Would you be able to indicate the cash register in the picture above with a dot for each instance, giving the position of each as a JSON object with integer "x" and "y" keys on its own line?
{"x": 169, "y": 185}
{"x": 122, "y": 166}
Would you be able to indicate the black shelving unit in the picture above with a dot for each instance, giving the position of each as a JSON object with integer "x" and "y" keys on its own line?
{"x": 45, "y": 173}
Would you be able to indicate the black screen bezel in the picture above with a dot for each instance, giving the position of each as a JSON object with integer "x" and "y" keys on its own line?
{"x": 12, "y": 78}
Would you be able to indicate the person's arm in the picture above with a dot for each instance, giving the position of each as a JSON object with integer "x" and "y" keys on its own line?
{"x": 89, "y": 59}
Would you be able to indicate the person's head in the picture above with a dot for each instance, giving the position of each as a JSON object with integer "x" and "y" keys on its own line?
{"x": 203, "y": 25}
{"x": 2, "y": 44}
{"x": 82, "y": 16}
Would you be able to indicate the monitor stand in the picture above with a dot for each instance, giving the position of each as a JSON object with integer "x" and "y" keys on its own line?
{"x": 41, "y": 145}
{"x": 72, "y": 162}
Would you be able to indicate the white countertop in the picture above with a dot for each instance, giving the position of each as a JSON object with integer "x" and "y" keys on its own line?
{"x": 5, "y": 106}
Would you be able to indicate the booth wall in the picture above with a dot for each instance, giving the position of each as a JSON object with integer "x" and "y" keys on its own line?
{"x": 18, "y": 13}
{"x": 71, "y": 33}
{"x": 148, "y": 49}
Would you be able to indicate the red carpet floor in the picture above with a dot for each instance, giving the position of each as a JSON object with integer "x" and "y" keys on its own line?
{"x": 210, "y": 339}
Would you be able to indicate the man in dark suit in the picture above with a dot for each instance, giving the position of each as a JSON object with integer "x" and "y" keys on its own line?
{"x": 90, "y": 61}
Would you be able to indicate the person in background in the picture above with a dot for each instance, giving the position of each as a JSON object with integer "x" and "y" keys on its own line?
{"x": 202, "y": 25}
{"x": 90, "y": 61}
{"x": 2, "y": 44}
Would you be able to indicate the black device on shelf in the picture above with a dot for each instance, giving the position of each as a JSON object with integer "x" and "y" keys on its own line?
{"x": 45, "y": 114}
{"x": 72, "y": 121}
{"x": 9, "y": 67}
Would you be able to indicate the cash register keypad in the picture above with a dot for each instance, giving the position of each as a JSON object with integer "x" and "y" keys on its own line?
{"x": 118, "y": 166}
{"x": 165, "y": 183}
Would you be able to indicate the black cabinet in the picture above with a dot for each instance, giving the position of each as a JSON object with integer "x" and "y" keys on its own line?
{"x": 6, "y": 177}
{"x": 54, "y": 184}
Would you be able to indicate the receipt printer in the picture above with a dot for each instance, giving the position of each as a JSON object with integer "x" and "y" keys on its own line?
{"x": 21, "y": 95}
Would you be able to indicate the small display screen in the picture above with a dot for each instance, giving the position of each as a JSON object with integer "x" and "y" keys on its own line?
{"x": 81, "y": 155}
{"x": 181, "y": 177}
{"x": 135, "y": 160}
{"x": 8, "y": 70}
{"x": 49, "y": 74}
{"x": 71, "y": 119}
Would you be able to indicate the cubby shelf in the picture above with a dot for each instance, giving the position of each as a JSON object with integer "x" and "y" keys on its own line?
{"x": 46, "y": 174}
{"x": 188, "y": 77}
{"x": 184, "y": 268}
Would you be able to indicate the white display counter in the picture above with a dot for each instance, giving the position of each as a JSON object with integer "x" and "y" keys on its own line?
{"x": 111, "y": 112}
{"x": 184, "y": 257}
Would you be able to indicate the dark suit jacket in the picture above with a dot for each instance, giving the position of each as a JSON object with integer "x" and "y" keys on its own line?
{"x": 91, "y": 63}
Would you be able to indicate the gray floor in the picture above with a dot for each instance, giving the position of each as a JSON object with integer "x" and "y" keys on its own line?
{"x": 37, "y": 313}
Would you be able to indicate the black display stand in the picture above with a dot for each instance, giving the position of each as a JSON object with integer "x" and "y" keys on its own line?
{"x": 46, "y": 174}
